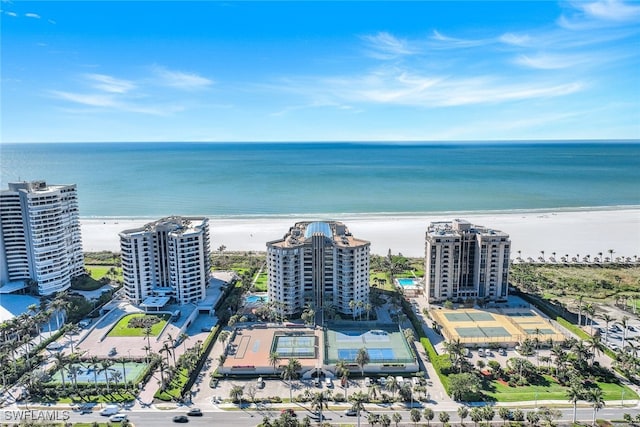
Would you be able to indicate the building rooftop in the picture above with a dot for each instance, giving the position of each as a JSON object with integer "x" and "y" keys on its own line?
{"x": 302, "y": 231}
{"x": 172, "y": 224}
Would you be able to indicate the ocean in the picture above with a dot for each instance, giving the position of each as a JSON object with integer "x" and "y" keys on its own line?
{"x": 150, "y": 180}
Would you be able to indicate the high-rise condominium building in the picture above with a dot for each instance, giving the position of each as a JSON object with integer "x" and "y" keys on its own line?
{"x": 40, "y": 235}
{"x": 464, "y": 261}
{"x": 167, "y": 258}
{"x": 320, "y": 264}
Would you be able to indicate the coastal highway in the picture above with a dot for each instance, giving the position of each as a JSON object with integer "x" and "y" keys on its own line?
{"x": 252, "y": 418}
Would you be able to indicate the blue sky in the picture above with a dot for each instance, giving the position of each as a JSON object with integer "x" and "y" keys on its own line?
{"x": 326, "y": 71}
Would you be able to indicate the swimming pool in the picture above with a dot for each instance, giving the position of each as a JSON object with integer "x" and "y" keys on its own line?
{"x": 407, "y": 282}
{"x": 253, "y": 299}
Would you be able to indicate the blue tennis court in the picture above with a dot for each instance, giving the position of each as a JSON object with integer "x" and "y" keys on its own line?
{"x": 375, "y": 354}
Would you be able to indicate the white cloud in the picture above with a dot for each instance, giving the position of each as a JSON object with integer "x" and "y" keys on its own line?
{"x": 113, "y": 103}
{"x": 181, "y": 80}
{"x": 13, "y": 14}
{"x": 453, "y": 42}
{"x": 551, "y": 61}
{"x": 515, "y": 39}
{"x": 609, "y": 10}
{"x": 386, "y": 46}
{"x": 401, "y": 87}
{"x": 94, "y": 100}
{"x": 110, "y": 84}
{"x": 597, "y": 14}
{"x": 32, "y": 15}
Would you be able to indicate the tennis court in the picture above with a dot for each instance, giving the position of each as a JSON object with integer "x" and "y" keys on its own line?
{"x": 299, "y": 346}
{"x": 510, "y": 326}
{"x": 384, "y": 343}
{"x": 86, "y": 373}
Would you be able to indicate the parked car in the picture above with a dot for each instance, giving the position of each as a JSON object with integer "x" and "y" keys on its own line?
{"x": 329, "y": 382}
{"x": 54, "y": 346}
{"x": 260, "y": 383}
{"x": 180, "y": 419}
{"x": 503, "y": 352}
{"x": 113, "y": 351}
{"x": 367, "y": 382}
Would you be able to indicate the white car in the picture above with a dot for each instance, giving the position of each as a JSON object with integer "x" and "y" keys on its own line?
{"x": 118, "y": 418}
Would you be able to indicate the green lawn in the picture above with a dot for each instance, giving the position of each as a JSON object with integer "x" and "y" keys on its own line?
{"x": 121, "y": 329}
{"x": 504, "y": 393}
{"x": 261, "y": 282}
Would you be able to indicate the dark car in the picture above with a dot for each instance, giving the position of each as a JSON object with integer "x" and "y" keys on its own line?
{"x": 180, "y": 419}
{"x": 194, "y": 412}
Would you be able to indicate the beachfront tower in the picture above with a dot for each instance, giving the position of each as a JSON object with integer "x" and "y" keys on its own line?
{"x": 167, "y": 258}
{"x": 465, "y": 261}
{"x": 40, "y": 241}
{"x": 319, "y": 264}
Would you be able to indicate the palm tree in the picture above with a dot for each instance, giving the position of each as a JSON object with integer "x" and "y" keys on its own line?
{"x": 428, "y": 415}
{"x": 476, "y": 415}
{"x": 223, "y": 337}
{"x": 94, "y": 365}
{"x": 625, "y": 324}
{"x": 116, "y": 376}
{"x": 595, "y": 397}
{"x": 166, "y": 348}
{"x": 61, "y": 361}
{"x": 611, "y": 251}
{"x": 580, "y": 298}
{"x": 105, "y": 367}
{"x": 574, "y": 393}
{"x": 357, "y": 403}
{"x": 392, "y": 385}
{"x": 236, "y": 393}
{"x": 595, "y": 346}
{"x": 444, "y": 418}
{"x": 463, "y": 413}
{"x": 289, "y": 372}
{"x": 415, "y": 416}
{"x": 352, "y": 306}
{"x": 385, "y": 420}
{"x": 274, "y": 359}
{"x": 318, "y": 402}
{"x": 123, "y": 361}
{"x": 362, "y": 359}
{"x": 397, "y": 417}
{"x": 607, "y": 319}
{"x": 183, "y": 337}
{"x": 589, "y": 310}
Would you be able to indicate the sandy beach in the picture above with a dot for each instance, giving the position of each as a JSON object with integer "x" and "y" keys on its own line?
{"x": 563, "y": 232}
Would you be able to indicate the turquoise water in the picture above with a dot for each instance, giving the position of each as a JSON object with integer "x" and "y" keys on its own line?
{"x": 406, "y": 282}
{"x": 158, "y": 179}
{"x": 252, "y": 299}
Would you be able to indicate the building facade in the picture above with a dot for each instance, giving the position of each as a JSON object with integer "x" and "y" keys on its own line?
{"x": 319, "y": 264}
{"x": 40, "y": 238}
{"x": 167, "y": 258}
{"x": 465, "y": 261}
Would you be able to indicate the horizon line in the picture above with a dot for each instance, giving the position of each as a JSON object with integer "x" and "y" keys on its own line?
{"x": 363, "y": 141}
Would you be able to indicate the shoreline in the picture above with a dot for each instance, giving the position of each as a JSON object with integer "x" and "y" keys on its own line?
{"x": 564, "y": 230}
